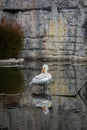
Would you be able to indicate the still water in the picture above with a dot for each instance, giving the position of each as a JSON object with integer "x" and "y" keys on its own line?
{"x": 62, "y": 106}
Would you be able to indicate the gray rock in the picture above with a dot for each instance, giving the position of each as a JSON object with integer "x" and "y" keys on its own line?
{"x": 53, "y": 29}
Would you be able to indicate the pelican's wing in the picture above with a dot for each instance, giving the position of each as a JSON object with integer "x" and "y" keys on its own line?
{"x": 40, "y": 76}
{"x": 40, "y": 79}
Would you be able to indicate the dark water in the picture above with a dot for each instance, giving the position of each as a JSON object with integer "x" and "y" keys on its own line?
{"x": 63, "y": 106}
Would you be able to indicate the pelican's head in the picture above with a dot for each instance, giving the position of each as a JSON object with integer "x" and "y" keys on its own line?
{"x": 44, "y": 68}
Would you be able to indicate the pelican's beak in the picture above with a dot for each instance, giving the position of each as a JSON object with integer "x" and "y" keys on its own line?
{"x": 43, "y": 70}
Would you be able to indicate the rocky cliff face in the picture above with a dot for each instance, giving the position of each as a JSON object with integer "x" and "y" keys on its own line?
{"x": 54, "y": 29}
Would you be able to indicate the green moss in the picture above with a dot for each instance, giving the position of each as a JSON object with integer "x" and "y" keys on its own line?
{"x": 11, "y": 38}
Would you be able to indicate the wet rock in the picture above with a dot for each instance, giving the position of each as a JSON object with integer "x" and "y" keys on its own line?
{"x": 11, "y": 61}
{"x": 83, "y": 93}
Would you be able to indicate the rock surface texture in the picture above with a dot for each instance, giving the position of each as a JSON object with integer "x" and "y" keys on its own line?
{"x": 54, "y": 29}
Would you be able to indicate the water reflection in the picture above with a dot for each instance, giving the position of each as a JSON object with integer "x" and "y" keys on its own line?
{"x": 43, "y": 101}
{"x": 11, "y": 80}
{"x": 67, "y": 110}
{"x": 11, "y": 86}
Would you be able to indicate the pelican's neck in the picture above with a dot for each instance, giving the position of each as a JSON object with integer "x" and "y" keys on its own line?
{"x": 44, "y": 69}
{"x": 45, "y": 110}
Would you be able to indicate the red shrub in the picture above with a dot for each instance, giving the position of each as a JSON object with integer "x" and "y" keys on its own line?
{"x": 11, "y": 38}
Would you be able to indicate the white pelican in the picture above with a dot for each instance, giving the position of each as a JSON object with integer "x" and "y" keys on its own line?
{"x": 42, "y": 79}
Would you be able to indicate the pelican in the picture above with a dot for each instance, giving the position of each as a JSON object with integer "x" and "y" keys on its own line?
{"x": 43, "y": 79}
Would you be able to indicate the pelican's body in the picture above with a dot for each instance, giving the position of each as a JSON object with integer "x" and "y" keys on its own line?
{"x": 42, "y": 79}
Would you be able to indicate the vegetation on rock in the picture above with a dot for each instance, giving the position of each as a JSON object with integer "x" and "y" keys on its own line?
{"x": 11, "y": 38}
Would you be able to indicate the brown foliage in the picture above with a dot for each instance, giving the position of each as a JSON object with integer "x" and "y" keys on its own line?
{"x": 11, "y": 38}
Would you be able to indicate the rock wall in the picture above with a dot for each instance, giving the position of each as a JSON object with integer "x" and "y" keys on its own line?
{"x": 54, "y": 29}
